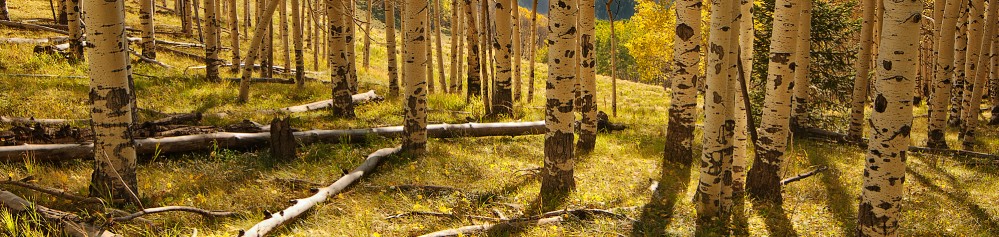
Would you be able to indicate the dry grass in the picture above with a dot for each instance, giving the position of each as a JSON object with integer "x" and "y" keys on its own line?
{"x": 951, "y": 198}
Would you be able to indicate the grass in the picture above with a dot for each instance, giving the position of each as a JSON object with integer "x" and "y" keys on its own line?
{"x": 951, "y": 198}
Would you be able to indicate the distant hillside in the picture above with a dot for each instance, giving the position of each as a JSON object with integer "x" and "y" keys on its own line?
{"x": 623, "y": 9}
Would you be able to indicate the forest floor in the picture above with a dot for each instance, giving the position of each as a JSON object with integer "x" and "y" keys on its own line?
{"x": 944, "y": 196}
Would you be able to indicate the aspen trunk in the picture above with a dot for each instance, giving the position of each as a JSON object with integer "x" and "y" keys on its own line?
{"x": 415, "y": 92}
{"x": 891, "y": 120}
{"x": 4, "y": 13}
{"x": 431, "y": 85}
{"x": 112, "y": 101}
{"x": 763, "y": 181}
{"x": 462, "y": 50}
{"x": 486, "y": 56}
{"x": 455, "y": 53}
{"x": 942, "y": 83}
{"x": 714, "y": 197}
{"x": 63, "y": 13}
{"x": 994, "y": 83}
{"x": 976, "y": 11}
{"x": 745, "y": 44}
{"x": 254, "y": 51}
{"x": 367, "y": 35}
{"x": 973, "y": 100}
{"x": 502, "y": 99}
{"x": 393, "y": 70}
{"x": 960, "y": 63}
{"x": 587, "y": 76}
{"x": 285, "y": 46}
{"x": 613, "y": 59}
{"x": 351, "y": 59}
{"x": 196, "y": 8}
{"x": 473, "y": 78}
{"x": 234, "y": 33}
{"x": 296, "y": 26}
{"x": 73, "y": 19}
{"x": 801, "y": 82}
{"x": 147, "y": 9}
{"x": 557, "y": 174}
{"x": 440, "y": 48}
{"x": 339, "y": 59}
{"x": 517, "y": 58}
{"x": 861, "y": 80}
{"x": 212, "y": 42}
{"x": 187, "y": 17}
{"x": 534, "y": 46}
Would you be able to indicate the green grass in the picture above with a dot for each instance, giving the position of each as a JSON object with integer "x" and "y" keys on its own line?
{"x": 951, "y": 198}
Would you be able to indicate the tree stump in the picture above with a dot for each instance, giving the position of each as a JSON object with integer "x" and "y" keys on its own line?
{"x": 283, "y": 145}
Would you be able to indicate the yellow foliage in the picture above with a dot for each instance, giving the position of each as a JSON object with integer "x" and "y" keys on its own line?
{"x": 652, "y": 42}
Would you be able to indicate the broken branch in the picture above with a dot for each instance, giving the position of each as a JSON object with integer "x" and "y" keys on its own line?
{"x": 202, "y": 212}
{"x": 803, "y": 176}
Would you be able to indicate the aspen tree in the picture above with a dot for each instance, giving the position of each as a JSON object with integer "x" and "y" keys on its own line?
{"x": 4, "y": 13}
{"x": 517, "y": 58}
{"x": 431, "y": 85}
{"x": 973, "y": 98}
{"x": 212, "y": 42}
{"x": 455, "y": 53}
{"x": 485, "y": 59}
{"x": 763, "y": 181}
{"x": 73, "y": 22}
{"x": 440, "y": 47}
{"x": 686, "y": 69}
{"x": 187, "y": 17}
{"x": 338, "y": 56}
{"x": 111, "y": 101}
{"x": 283, "y": 27}
{"x": 557, "y": 174}
{"x": 502, "y": 99}
{"x": 976, "y": 13}
{"x": 471, "y": 34}
{"x": 613, "y": 59}
{"x": 891, "y": 121}
{"x": 366, "y": 57}
{"x": 393, "y": 70}
{"x": 801, "y": 83}
{"x": 745, "y": 44}
{"x": 861, "y": 80}
{"x": 534, "y": 46}
{"x": 415, "y": 93}
{"x": 715, "y": 180}
{"x": 148, "y": 42}
{"x": 960, "y": 64}
{"x": 296, "y": 25}
{"x": 254, "y": 51}
{"x": 943, "y": 71}
{"x": 587, "y": 76}
{"x": 351, "y": 50}
{"x": 234, "y": 33}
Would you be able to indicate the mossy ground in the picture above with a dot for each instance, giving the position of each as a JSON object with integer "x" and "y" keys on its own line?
{"x": 954, "y": 197}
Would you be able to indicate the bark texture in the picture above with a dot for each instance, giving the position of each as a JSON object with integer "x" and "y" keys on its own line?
{"x": 587, "y": 76}
{"x": 557, "y": 174}
{"x": 891, "y": 121}
{"x": 472, "y": 36}
{"x": 212, "y": 46}
{"x": 534, "y": 45}
{"x": 714, "y": 196}
{"x": 112, "y": 101}
{"x": 234, "y": 33}
{"x": 147, "y": 9}
{"x": 339, "y": 58}
{"x": 517, "y": 58}
{"x": 683, "y": 105}
{"x": 942, "y": 83}
{"x": 254, "y": 50}
{"x": 502, "y": 99}
{"x": 861, "y": 81}
{"x": 973, "y": 100}
{"x": 75, "y": 29}
{"x": 393, "y": 64}
{"x": 801, "y": 83}
{"x": 415, "y": 78}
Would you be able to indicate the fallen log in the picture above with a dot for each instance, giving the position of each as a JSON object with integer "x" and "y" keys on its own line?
{"x": 24, "y": 183}
{"x": 71, "y": 224}
{"x": 149, "y": 146}
{"x": 803, "y": 176}
{"x": 58, "y": 39}
{"x": 357, "y": 99}
{"x": 842, "y": 138}
{"x": 468, "y": 230}
{"x": 441, "y": 214}
{"x": 301, "y": 205}
{"x": 265, "y": 80}
{"x": 26, "y": 26}
{"x": 41, "y": 75}
{"x": 196, "y": 57}
{"x": 149, "y": 60}
{"x": 202, "y": 212}
{"x": 32, "y": 120}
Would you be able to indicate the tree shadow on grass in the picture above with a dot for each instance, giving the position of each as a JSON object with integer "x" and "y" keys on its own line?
{"x": 839, "y": 201}
{"x": 659, "y": 211}
{"x": 775, "y": 219}
{"x": 987, "y": 222}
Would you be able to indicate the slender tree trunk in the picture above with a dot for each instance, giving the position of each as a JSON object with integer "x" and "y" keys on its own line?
{"x": 534, "y": 46}
{"x": 75, "y": 30}
{"x": 296, "y": 26}
{"x": 415, "y": 111}
{"x": 462, "y": 50}
{"x": 942, "y": 83}
{"x": 801, "y": 82}
{"x": 317, "y": 40}
{"x": 587, "y": 76}
{"x": 440, "y": 48}
{"x": 285, "y": 45}
{"x": 367, "y": 35}
{"x": 976, "y": 13}
{"x": 196, "y": 8}
{"x": 393, "y": 71}
{"x": 431, "y": 85}
{"x": 254, "y": 50}
{"x": 557, "y": 175}
{"x": 746, "y": 38}
{"x": 714, "y": 197}
{"x": 212, "y": 42}
{"x": 960, "y": 63}
{"x": 474, "y": 79}
{"x": 683, "y": 105}
{"x": 503, "y": 97}
{"x": 339, "y": 60}
{"x": 246, "y": 18}
{"x": 4, "y": 15}
{"x": 891, "y": 121}
{"x": 234, "y": 33}
{"x": 994, "y": 82}
{"x": 973, "y": 99}
{"x": 517, "y": 58}
{"x": 486, "y": 57}
{"x": 187, "y": 17}
{"x": 861, "y": 80}
{"x": 147, "y": 9}
{"x": 63, "y": 12}
{"x": 351, "y": 50}
{"x": 455, "y": 37}
{"x": 763, "y": 180}
{"x": 112, "y": 101}
{"x": 613, "y": 59}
